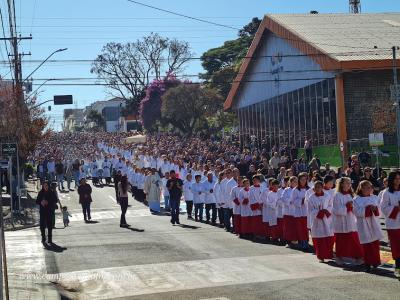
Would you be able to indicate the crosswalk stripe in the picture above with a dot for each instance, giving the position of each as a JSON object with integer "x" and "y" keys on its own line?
{"x": 174, "y": 276}
{"x": 109, "y": 214}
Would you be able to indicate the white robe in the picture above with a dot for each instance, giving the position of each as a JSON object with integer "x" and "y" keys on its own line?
{"x": 255, "y": 197}
{"x": 388, "y": 203}
{"x": 235, "y": 195}
{"x": 298, "y": 200}
{"x": 320, "y": 228}
{"x": 106, "y": 166}
{"x": 343, "y": 221}
{"x": 245, "y": 210}
{"x": 270, "y": 200}
{"x": 288, "y": 208}
{"x": 369, "y": 228}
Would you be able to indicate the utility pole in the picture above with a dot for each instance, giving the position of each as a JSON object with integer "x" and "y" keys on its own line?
{"x": 19, "y": 98}
{"x": 395, "y": 96}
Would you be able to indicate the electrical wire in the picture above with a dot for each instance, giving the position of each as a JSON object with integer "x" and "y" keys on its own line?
{"x": 372, "y": 52}
{"x": 182, "y": 15}
{"x": 5, "y": 43}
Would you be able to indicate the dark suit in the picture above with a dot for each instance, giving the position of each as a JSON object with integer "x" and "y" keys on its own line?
{"x": 46, "y": 213}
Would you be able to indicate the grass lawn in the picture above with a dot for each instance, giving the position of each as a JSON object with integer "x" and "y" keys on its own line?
{"x": 331, "y": 154}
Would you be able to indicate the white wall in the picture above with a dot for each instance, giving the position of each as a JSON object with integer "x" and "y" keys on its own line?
{"x": 269, "y": 77}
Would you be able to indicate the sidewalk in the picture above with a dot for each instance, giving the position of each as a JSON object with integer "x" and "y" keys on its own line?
{"x": 29, "y": 216}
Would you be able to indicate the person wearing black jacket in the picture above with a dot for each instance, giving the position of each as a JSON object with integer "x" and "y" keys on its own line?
{"x": 85, "y": 198}
{"x": 47, "y": 200}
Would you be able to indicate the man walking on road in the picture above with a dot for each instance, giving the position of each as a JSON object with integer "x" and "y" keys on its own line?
{"x": 47, "y": 200}
{"x": 175, "y": 193}
{"x": 85, "y": 198}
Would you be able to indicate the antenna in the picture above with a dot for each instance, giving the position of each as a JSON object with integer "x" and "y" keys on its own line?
{"x": 355, "y": 6}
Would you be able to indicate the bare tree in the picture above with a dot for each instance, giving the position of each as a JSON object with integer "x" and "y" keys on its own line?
{"x": 127, "y": 69}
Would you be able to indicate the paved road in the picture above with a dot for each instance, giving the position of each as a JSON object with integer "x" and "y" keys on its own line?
{"x": 155, "y": 260}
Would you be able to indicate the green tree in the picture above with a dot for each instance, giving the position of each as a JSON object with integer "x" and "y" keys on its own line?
{"x": 222, "y": 63}
{"x": 188, "y": 105}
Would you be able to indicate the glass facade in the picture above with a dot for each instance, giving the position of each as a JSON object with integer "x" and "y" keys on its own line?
{"x": 289, "y": 118}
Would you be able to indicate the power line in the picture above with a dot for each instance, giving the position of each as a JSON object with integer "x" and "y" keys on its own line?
{"x": 182, "y": 15}
{"x": 5, "y": 43}
{"x": 354, "y": 53}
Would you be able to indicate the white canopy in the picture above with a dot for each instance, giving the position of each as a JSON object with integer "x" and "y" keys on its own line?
{"x": 136, "y": 139}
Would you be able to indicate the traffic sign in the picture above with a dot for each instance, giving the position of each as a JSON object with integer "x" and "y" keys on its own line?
{"x": 9, "y": 149}
{"x": 63, "y": 99}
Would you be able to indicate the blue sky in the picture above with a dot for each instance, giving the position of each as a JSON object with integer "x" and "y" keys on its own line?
{"x": 85, "y": 26}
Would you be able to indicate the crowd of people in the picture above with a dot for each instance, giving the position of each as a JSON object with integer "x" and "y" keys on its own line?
{"x": 253, "y": 192}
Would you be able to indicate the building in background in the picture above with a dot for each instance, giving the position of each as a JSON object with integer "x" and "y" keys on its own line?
{"x": 73, "y": 120}
{"x": 325, "y": 77}
{"x": 130, "y": 123}
{"x": 110, "y": 110}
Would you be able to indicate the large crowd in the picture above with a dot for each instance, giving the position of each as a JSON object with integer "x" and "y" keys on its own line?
{"x": 254, "y": 192}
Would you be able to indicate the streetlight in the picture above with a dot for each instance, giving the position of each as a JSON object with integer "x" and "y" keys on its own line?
{"x": 35, "y": 91}
{"x": 54, "y": 52}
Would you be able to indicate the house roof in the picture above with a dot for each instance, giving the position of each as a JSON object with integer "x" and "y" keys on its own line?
{"x": 334, "y": 41}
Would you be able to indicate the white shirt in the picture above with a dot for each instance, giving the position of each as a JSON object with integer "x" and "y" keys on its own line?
{"x": 209, "y": 193}
{"x": 219, "y": 194}
{"x": 230, "y": 185}
{"x": 369, "y": 228}
{"x": 187, "y": 190}
{"x": 198, "y": 193}
{"x": 164, "y": 188}
{"x": 388, "y": 203}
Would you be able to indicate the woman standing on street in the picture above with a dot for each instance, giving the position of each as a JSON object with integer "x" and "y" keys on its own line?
{"x": 47, "y": 200}
{"x": 85, "y": 198}
{"x": 123, "y": 189}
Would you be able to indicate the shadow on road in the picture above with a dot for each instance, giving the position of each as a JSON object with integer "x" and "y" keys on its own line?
{"x": 186, "y": 226}
{"x": 134, "y": 229}
{"x": 91, "y": 222}
{"x": 358, "y": 269}
{"x": 54, "y": 248}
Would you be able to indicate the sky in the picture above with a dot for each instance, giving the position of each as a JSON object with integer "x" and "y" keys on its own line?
{"x": 84, "y": 26}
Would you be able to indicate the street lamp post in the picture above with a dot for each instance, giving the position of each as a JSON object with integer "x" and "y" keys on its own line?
{"x": 41, "y": 64}
{"x": 35, "y": 91}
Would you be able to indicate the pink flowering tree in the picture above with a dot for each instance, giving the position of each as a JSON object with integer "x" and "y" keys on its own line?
{"x": 150, "y": 106}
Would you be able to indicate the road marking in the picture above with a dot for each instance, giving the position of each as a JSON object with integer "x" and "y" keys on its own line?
{"x": 109, "y": 214}
{"x": 218, "y": 298}
{"x": 112, "y": 198}
{"x": 137, "y": 280}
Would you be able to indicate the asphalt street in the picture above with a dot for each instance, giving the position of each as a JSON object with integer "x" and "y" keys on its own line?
{"x": 155, "y": 260}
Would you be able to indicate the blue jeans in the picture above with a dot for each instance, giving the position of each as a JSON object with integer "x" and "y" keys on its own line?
{"x": 227, "y": 218}
{"x": 51, "y": 176}
{"x": 60, "y": 181}
{"x": 76, "y": 178}
{"x": 166, "y": 202}
{"x": 198, "y": 211}
{"x": 174, "y": 203}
